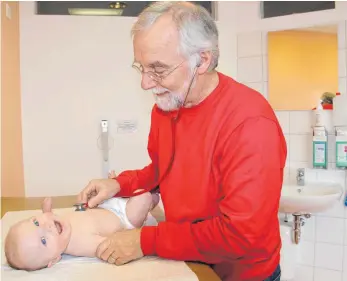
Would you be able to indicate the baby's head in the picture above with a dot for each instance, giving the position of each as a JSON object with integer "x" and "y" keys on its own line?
{"x": 37, "y": 242}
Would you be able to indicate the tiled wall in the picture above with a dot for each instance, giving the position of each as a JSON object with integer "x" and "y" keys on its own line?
{"x": 323, "y": 248}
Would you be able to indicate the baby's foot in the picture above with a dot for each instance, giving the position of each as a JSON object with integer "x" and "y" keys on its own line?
{"x": 112, "y": 174}
{"x": 155, "y": 200}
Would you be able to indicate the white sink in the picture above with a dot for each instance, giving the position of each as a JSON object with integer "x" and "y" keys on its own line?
{"x": 313, "y": 197}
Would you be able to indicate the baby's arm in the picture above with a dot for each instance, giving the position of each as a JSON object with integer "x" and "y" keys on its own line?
{"x": 86, "y": 246}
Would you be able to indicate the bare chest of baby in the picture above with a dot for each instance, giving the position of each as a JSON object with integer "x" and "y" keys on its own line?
{"x": 89, "y": 229}
{"x": 95, "y": 221}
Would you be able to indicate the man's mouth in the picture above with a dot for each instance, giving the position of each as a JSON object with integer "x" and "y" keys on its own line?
{"x": 161, "y": 93}
{"x": 58, "y": 226}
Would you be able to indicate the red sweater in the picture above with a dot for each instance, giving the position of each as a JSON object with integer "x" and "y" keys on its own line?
{"x": 221, "y": 196}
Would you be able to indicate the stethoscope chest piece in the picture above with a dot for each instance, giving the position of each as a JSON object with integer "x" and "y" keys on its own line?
{"x": 80, "y": 207}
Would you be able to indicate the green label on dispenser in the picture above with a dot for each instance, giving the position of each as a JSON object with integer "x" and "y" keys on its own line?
{"x": 341, "y": 154}
{"x": 319, "y": 154}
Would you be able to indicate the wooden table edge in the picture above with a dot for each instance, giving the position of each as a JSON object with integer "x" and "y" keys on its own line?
{"x": 12, "y": 204}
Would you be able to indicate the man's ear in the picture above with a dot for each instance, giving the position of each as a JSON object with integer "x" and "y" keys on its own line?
{"x": 205, "y": 61}
{"x": 54, "y": 261}
{"x": 47, "y": 205}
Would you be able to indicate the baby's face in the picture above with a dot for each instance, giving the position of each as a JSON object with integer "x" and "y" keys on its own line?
{"x": 40, "y": 240}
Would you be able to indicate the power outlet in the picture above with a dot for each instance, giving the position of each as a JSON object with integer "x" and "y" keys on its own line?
{"x": 8, "y": 11}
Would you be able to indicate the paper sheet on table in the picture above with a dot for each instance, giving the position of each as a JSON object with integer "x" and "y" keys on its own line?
{"x": 92, "y": 269}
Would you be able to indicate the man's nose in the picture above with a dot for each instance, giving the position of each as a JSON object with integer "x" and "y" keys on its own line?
{"x": 147, "y": 82}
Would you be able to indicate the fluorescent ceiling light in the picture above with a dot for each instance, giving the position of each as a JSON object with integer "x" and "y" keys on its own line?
{"x": 95, "y": 12}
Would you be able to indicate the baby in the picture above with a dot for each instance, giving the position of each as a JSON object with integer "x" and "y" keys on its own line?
{"x": 40, "y": 241}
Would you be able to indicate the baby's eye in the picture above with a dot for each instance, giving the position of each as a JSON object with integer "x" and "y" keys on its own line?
{"x": 36, "y": 222}
{"x": 43, "y": 240}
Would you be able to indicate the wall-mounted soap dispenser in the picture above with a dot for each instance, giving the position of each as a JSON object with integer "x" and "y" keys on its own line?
{"x": 340, "y": 123}
{"x": 320, "y": 147}
{"x": 341, "y": 147}
{"x": 320, "y": 141}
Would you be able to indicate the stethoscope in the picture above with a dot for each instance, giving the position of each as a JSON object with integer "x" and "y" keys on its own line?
{"x": 174, "y": 120}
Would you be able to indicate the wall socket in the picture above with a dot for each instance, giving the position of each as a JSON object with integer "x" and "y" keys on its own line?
{"x": 8, "y": 11}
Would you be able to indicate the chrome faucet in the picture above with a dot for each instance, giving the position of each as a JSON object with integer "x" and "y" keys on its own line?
{"x": 300, "y": 177}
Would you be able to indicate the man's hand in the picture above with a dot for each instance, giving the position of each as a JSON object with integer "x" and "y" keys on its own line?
{"x": 121, "y": 247}
{"x": 98, "y": 191}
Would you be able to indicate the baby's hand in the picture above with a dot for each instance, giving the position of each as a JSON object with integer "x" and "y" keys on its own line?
{"x": 112, "y": 174}
{"x": 47, "y": 205}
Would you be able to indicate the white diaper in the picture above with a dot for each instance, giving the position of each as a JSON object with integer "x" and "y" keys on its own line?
{"x": 118, "y": 206}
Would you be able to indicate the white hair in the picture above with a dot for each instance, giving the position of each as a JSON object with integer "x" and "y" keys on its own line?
{"x": 197, "y": 29}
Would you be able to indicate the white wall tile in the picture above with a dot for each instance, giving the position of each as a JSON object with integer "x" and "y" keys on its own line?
{"x": 342, "y": 63}
{"x": 331, "y": 149}
{"x": 249, "y": 44}
{"x": 328, "y": 256}
{"x": 265, "y": 68}
{"x": 308, "y": 231}
{"x": 304, "y": 273}
{"x": 331, "y": 155}
{"x": 306, "y": 253}
{"x": 343, "y": 86}
{"x": 345, "y": 259}
{"x": 283, "y": 119}
{"x": 286, "y": 175}
{"x": 332, "y": 176}
{"x": 300, "y": 122}
{"x": 345, "y": 242}
{"x": 265, "y": 90}
{"x": 287, "y": 159}
{"x": 258, "y": 86}
{"x": 311, "y": 175}
{"x": 344, "y": 197}
{"x": 250, "y": 69}
{"x": 288, "y": 147}
{"x": 321, "y": 274}
{"x": 336, "y": 211}
{"x": 300, "y": 149}
{"x": 264, "y": 43}
{"x": 329, "y": 230}
{"x": 341, "y": 35}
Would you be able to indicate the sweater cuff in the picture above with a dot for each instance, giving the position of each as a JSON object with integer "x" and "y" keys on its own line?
{"x": 147, "y": 239}
{"x": 123, "y": 181}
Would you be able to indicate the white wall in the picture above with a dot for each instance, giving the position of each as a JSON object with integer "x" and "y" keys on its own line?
{"x": 76, "y": 71}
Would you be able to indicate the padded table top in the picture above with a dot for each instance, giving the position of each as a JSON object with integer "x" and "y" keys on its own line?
{"x": 8, "y": 204}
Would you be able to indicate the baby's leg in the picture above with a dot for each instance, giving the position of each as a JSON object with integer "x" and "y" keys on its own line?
{"x": 138, "y": 207}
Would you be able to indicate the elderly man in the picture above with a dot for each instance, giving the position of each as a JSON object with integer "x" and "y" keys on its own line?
{"x": 217, "y": 154}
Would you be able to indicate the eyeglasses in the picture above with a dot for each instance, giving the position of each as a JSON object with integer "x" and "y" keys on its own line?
{"x": 158, "y": 78}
